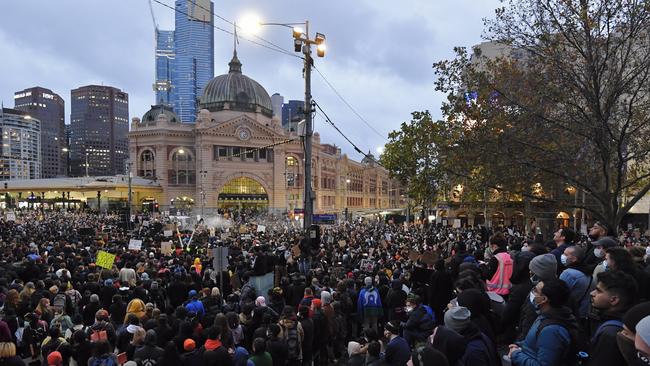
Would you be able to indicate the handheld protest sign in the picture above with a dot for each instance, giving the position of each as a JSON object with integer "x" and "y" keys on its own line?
{"x": 135, "y": 244}
{"x": 105, "y": 259}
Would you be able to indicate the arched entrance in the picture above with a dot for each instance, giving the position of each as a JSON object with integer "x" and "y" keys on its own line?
{"x": 563, "y": 219}
{"x": 243, "y": 192}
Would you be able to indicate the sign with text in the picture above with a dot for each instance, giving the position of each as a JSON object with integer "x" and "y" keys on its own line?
{"x": 105, "y": 259}
{"x": 135, "y": 244}
{"x": 168, "y": 233}
{"x": 261, "y": 228}
{"x": 11, "y": 216}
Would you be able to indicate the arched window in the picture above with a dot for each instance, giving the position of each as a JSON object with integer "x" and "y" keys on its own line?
{"x": 291, "y": 172}
{"x": 182, "y": 167}
{"x": 147, "y": 167}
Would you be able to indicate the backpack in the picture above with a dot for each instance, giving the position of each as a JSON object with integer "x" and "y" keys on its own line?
{"x": 577, "y": 343}
{"x": 293, "y": 342}
{"x": 609, "y": 323}
{"x": 59, "y": 301}
{"x": 103, "y": 361}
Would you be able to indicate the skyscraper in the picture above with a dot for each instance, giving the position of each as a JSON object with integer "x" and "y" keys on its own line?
{"x": 193, "y": 65}
{"x": 98, "y": 127}
{"x": 21, "y": 145}
{"x": 276, "y": 101}
{"x": 291, "y": 110}
{"x": 164, "y": 65}
{"x": 49, "y": 108}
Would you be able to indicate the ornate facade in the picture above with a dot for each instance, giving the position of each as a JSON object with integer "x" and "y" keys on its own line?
{"x": 237, "y": 154}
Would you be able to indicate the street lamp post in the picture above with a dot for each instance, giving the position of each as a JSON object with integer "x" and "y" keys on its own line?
{"x": 302, "y": 43}
{"x": 128, "y": 218}
{"x": 204, "y": 174}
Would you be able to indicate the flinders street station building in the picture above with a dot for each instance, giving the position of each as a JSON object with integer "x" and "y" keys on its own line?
{"x": 238, "y": 155}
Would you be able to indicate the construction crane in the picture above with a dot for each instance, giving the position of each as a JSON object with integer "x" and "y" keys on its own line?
{"x": 153, "y": 18}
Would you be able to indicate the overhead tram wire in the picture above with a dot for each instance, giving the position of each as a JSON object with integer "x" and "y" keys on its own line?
{"x": 274, "y": 47}
{"x": 356, "y": 148}
{"x": 348, "y": 104}
{"x": 287, "y": 141}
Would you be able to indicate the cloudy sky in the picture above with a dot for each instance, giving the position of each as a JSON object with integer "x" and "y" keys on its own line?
{"x": 379, "y": 56}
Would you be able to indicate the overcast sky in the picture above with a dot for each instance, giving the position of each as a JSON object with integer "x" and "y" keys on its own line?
{"x": 379, "y": 56}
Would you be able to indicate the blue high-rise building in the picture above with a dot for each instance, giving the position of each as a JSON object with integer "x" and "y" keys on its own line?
{"x": 164, "y": 65}
{"x": 292, "y": 110}
{"x": 193, "y": 64}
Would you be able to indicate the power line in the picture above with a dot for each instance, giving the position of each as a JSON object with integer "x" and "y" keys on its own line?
{"x": 275, "y": 47}
{"x": 287, "y": 141}
{"x": 348, "y": 104}
{"x": 356, "y": 148}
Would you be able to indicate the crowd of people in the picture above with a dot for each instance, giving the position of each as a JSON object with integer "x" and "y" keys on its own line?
{"x": 356, "y": 293}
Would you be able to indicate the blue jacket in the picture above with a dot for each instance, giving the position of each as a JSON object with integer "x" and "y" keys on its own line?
{"x": 369, "y": 302}
{"x": 195, "y": 306}
{"x": 398, "y": 352}
{"x": 548, "y": 348}
{"x": 578, "y": 284}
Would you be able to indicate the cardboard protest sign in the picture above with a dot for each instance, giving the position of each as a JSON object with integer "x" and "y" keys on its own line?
{"x": 414, "y": 255}
{"x": 261, "y": 228}
{"x": 168, "y": 233}
{"x": 367, "y": 265}
{"x": 105, "y": 259}
{"x": 243, "y": 230}
{"x": 166, "y": 247}
{"x": 135, "y": 244}
{"x": 11, "y": 216}
{"x": 429, "y": 258}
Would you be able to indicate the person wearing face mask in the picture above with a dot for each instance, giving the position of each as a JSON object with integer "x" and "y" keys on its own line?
{"x": 598, "y": 232}
{"x": 563, "y": 238}
{"x": 614, "y": 294}
{"x": 542, "y": 268}
{"x": 549, "y": 340}
{"x": 625, "y": 337}
{"x": 600, "y": 251}
{"x": 398, "y": 352}
{"x": 578, "y": 277}
{"x": 420, "y": 323}
{"x": 642, "y": 341}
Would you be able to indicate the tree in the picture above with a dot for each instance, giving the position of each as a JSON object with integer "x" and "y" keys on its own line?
{"x": 569, "y": 105}
{"x": 412, "y": 156}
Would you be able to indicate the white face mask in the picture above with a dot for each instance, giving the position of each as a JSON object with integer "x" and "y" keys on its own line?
{"x": 599, "y": 253}
{"x": 564, "y": 259}
{"x": 409, "y": 309}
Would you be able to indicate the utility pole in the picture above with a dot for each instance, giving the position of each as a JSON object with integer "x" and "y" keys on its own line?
{"x": 309, "y": 132}
{"x": 128, "y": 218}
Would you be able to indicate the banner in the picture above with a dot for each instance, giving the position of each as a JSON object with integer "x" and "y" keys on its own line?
{"x": 105, "y": 259}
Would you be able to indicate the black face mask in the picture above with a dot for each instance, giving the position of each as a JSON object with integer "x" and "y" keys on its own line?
{"x": 627, "y": 349}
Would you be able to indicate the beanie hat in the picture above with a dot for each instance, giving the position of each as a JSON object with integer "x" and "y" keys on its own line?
{"x": 643, "y": 330}
{"x": 192, "y": 293}
{"x": 457, "y": 318}
{"x": 189, "y": 345}
{"x": 367, "y": 281}
{"x": 633, "y": 316}
{"x": 54, "y": 359}
{"x": 108, "y": 282}
{"x": 326, "y": 297}
{"x": 544, "y": 266}
{"x": 392, "y": 326}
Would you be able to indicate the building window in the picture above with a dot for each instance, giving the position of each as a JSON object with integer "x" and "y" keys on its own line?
{"x": 291, "y": 161}
{"x": 147, "y": 164}
{"x": 262, "y": 154}
{"x": 182, "y": 168}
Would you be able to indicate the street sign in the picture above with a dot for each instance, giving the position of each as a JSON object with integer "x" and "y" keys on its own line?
{"x": 324, "y": 219}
